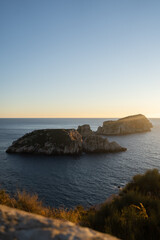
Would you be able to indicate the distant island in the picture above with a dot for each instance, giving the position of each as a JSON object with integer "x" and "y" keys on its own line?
{"x": 71, "y": 141}
{"x": 128, "y": 125}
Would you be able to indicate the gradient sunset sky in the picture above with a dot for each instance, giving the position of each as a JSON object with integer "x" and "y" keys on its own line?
{"x": 79, "y": 58}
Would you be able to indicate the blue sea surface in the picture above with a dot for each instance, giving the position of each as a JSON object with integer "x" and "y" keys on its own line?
{"x": 74, "y": 180}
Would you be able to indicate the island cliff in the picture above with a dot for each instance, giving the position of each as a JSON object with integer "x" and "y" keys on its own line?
{"x": 128, "y": 125}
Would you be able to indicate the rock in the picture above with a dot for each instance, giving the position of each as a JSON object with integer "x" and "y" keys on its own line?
{"x": 85, "y": 130}
{"x": 128, "y": 125}
{"x": 115, "y": 147}
{"x": 48, "y": 141}
{"x": 99, "y": 144}
{"x": 19, "y": 225}
{"x": 62, "y": 141}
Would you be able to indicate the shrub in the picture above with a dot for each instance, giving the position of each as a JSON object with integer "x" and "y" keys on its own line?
{"x": 145, "y": 184}
{"x": 30, "y": 203}
{"x": 132, "y": 215}
{"x": 5, "y": 199}
{"x": 135, "y": 213}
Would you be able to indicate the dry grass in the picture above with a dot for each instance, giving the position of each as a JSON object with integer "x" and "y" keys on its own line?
{"x": 30, "y": 203}
{"x": 133, "y": 215}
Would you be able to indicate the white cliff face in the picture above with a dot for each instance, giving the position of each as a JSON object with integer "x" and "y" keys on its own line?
{"x": 19, "y": 225}
{"x": 128, "y": 125}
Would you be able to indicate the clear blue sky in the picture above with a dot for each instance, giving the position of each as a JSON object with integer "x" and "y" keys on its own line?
{"x": 79, "y": 58}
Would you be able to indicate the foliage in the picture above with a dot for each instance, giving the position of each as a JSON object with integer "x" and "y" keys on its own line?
{"x": 30, "y": 203}
{"x": 135, "y": 213}
{"x": 132, "y": 215}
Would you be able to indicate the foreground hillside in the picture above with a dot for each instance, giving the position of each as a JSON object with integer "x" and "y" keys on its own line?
{"x": 19, "y": 225}
{"x": 132, "y": 215}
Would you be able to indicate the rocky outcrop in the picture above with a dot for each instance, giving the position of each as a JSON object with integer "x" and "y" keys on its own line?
{"x": 85, "y": 130}
{"x": 19, "y": 225}
{"x": 99, "y": 144}
{"x": 128, "y": 125}
{"x": 48, "y": 141}
{"x": 62, "y": 141}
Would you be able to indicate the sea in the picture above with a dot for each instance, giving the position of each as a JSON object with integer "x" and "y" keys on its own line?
{"x": 68, "y": 181}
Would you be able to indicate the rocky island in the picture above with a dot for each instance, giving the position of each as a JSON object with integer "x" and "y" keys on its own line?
{"x": 48, "y": 141}
{"x": 93, "y": 143}
{"x": 62, "y": 142}
{"x": 71, "y": 141}
{"x": 128, "y": 125}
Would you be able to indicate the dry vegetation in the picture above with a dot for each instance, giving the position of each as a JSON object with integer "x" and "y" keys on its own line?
{"x": 133, "y": 215}
{"x": 30, "y": 203}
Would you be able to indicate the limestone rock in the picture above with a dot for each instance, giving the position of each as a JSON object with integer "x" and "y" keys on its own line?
{"x": 62, "y": 141}
{"x": 85, "y": 130}
{"x": 99, "y": 144}
{"x": 19, "y": 225}
{"x": 128, "y": 125}
{"x": 48, "y": 141}
{"x": 115, "y": 147}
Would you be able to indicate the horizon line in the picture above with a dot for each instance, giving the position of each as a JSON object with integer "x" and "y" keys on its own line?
{"x": 66, "y": 117}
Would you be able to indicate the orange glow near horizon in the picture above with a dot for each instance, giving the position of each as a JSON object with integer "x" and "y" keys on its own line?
{"x": 78, "y": 116}
{"x": 100, "y": 108}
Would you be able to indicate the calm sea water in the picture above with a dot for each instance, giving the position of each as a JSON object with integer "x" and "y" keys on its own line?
{"x": 72, "y": 180}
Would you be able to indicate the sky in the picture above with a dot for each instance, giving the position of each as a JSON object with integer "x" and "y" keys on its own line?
{"x": 79, "y": 58}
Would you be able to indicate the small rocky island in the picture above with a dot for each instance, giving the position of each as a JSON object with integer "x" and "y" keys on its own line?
{"x": 71, "y": 141}
{"x": 128, "y": 125}
{"x": 63, "y": 141}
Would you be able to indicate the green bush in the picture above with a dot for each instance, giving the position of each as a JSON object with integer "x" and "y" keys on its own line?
{"x": 135, "y": 213}
{"x": 147, "y": 184}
